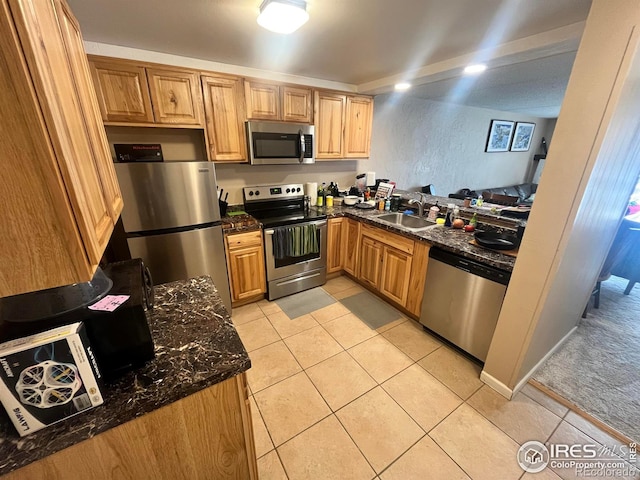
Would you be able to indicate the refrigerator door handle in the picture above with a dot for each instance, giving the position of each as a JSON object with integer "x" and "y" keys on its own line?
{"x": 269, "y": 232}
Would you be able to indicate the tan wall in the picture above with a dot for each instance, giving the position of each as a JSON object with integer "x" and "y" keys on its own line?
{"x": 590, "y": 171}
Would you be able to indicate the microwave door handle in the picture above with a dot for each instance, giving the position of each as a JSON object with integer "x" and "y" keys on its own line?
{"x": 302, "y": 147}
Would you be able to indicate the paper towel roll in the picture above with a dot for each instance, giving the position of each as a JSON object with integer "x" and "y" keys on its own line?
{"x": 371, "y": 179}
{"x": 311, "y": 189}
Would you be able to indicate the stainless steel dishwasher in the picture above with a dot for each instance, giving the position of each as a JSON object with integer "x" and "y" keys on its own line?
{"x": 462, "y": 300}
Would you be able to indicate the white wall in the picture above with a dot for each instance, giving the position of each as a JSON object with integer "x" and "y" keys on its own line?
{"x": 418, "y": 142}
{"x": 591, "y": 169}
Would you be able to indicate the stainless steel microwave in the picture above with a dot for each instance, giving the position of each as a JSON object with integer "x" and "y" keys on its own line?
{"x": 280, "y": 143}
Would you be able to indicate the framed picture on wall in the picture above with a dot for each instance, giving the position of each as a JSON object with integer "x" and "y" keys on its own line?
{"x": 522, "y": 137}
{"x": 499, "y": 138}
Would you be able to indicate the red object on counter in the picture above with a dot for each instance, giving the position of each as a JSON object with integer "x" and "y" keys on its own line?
{"x": 469, "y": 228}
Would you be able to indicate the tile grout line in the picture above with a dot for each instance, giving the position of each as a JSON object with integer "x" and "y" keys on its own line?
{"x": 468, "y": 474}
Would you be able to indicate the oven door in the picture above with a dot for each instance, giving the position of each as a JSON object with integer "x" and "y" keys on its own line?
{"x": 289, "y": 266}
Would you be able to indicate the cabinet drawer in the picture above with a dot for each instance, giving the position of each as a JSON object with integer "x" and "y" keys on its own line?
{"x": 401, "y": 243}
{"x": 241, "y": 240}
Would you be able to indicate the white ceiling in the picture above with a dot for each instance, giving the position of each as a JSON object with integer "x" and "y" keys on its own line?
{"x": 368, "y": 43}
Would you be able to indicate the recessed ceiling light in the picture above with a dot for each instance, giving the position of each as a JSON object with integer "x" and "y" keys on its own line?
{"x": 401, "y": 87}
{"x": 283, "y": 16}
{"x": 475, "y": 69}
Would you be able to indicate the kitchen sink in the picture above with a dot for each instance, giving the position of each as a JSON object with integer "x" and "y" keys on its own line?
{"x": 410, "y": 222}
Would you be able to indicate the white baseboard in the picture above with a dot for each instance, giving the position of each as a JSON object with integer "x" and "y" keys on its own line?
{"x": 496, "y": 384}
{"x": 507, "y": 392}
{"x": 523, "y": 381}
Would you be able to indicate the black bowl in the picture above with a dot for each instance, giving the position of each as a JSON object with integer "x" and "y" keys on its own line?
{"x": 497, "y": 241}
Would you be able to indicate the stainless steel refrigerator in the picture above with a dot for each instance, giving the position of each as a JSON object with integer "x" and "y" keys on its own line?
{"x": 172, "y": 220}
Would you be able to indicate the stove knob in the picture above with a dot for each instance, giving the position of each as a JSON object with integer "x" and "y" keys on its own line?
{"x": 251, "y": 193}
{"x": 298, "y": 189}
{"x": 288, "y": 190}
{"x": 257, "y": 193}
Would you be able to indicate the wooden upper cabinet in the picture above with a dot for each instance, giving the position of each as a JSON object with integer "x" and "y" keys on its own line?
{"x": 296, "y": 104}
{"x": 89, "y": 104}
{"x": 61, "y": 204}
{"x": 359, "y": 117}
{"x": 263, "y": 100}
{"x": 123, "y": 93}
{"x": 329, "y": 121}
{"x": 224, "y": 116}
{"x": 268, "y": 101}
{"x": 175, "y": 96}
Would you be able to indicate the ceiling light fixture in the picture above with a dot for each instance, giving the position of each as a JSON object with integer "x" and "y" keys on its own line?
{"x": 475, "y": 69}
{"x": 401, "y": 87}
{"x": 283, "y": 16}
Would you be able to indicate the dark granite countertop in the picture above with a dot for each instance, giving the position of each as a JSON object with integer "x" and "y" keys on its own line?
{"x": 196, "y": 346}
{"x": 453, "y": 240}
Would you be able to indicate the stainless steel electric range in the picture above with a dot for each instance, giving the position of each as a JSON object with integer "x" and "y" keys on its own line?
{"x": 295, "y": 238}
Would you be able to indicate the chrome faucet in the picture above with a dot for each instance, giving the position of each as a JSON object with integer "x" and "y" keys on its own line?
{"x": 420, "y": 204}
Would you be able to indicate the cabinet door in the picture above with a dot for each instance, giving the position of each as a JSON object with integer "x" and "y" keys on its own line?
{"x": 396, "y": 270}
{"x": 175, "y": 96}
{"x": 263, "y": 100}
{"x": 352, "y": 244}
{"x": 224, "y": 114}
{"x": 359, "y": 117}
{"x": 370, "y": 262}
{"x": 335, "y": 244}
{"x": 46, "y": 54}
{"x": 329, "y": 121}
{"x": 89, "y": 104}
{"x": 296, "y": 104}
{"x": 246, "y": 269}
{"x": 123, "y": 93}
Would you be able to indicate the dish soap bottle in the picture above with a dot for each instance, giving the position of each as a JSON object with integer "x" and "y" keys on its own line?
{"x": 474, "y": 220}
{"x": 479, "y": 201}
{"x": 433, "y": 212}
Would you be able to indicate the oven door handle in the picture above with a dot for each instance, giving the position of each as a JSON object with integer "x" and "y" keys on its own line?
{"x": 319, "y": 223}
{"x": 302, "y": 146}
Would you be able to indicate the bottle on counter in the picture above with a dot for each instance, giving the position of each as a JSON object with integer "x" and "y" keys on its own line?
{"x": 387, "y": 204}
{"x": 474, "y": 220}
{"x": 479, "y": 201}
{"x": 448, "y": 219}
{"x": 433, "y": 212}
{"x": 456, "y": 213}
{"x": 381, "y": 204}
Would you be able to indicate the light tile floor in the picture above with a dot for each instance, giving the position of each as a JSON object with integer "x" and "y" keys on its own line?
{"x": 334, "y": 399}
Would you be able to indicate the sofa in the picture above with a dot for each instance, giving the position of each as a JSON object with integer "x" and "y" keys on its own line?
{"x": 523, "y": 193}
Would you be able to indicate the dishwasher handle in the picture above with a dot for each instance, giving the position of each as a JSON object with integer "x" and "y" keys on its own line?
{"x": 470, "y": 266}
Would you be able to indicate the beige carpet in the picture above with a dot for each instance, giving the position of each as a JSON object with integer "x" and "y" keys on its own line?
{"x": 598, "y": 368}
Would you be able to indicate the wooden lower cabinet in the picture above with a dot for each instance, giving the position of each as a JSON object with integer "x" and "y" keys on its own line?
{"x": 370, "y": 262}
{"x": 396, "y": 270}
{"x": 245, "y": 264}
{"x": 336, "y": 237}
{"x": 206, "y": 435}
{"x": 352, "y": 247}
{"x": 393, "y": 265}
